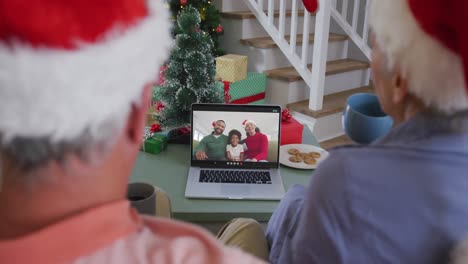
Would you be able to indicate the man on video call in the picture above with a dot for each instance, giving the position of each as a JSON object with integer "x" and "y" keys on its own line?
{"x": 213, "y": 146}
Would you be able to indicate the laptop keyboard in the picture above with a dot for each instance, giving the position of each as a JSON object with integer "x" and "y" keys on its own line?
{"x": 235, "y": 176}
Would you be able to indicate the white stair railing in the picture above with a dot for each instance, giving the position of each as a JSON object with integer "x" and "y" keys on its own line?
{"x": 358, "y": 33}
{"x": 314, "y": 77}
{"x": 277, "y": 33}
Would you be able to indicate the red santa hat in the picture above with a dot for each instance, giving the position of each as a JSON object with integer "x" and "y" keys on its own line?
{"x": 428, "y": 40}
{"x": 70, "y": 66}
{"x": 248, "y": 121}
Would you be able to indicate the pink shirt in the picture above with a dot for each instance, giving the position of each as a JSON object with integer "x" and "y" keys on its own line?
{"x": 114, "y": 233}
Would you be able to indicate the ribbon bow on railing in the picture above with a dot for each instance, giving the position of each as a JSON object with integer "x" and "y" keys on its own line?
{"x": 285, "y": 115}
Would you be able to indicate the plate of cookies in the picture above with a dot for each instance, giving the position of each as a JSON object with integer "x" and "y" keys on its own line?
{"x": 302, "y": 156}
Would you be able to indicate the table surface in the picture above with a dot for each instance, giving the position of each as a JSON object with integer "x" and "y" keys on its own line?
{"x": 169, "y": 169}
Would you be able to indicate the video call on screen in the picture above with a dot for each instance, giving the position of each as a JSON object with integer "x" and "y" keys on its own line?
{"x": 216, "y": 141}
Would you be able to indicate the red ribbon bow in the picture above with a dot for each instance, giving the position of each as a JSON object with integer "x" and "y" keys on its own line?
{"x": 311, "y": 5}
{"x": 227, "y": 96}
{"x": 155, "y": 128}
{"x": 285, "y": 115}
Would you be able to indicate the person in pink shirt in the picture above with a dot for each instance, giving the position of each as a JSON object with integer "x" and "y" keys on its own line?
{"x": 73, "y": 97}
{"x": 257, "y": 142}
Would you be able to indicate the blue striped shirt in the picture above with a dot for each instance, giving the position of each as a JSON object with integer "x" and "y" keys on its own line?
{"x": 402, "y": 199}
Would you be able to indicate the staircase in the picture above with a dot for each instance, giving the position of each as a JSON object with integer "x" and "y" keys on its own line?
{"x": 298, "y": 50}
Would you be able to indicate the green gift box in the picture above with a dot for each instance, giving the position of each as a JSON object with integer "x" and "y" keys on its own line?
{"x": 154, "y": 144}
{"x": 251, "y": 90}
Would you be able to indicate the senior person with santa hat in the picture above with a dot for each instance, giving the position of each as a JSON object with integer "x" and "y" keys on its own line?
{"x": 72, "y": 112}
{"x": 402, "y": 199}
{"x": 256, "y": 141}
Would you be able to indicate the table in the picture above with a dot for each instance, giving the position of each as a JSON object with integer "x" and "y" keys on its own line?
{"x": 169, "y": 169}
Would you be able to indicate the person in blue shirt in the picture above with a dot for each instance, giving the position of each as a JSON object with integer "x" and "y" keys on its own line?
{"x": 403, "y": 198}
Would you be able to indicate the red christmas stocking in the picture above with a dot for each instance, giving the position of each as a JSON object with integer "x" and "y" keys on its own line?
{"x": 311, "y": 5}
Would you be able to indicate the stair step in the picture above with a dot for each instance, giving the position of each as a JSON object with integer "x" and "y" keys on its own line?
{"x": 268, "y": 43}
{"x": 335, "y": 142}
{"x": 290, "y": 74}
{"x": 250, "y": 15}
{"x": 332, "y": 103}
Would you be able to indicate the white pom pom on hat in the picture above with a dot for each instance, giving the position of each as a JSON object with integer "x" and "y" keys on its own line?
{"x": 71, "y": 66}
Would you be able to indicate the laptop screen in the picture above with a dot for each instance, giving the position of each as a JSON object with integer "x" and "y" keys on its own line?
{"x": 235, "y": 136}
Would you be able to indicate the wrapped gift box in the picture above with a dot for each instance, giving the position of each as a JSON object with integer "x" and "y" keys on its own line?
{"x": 251, "y": 90}
{"x": 231, "y": 68}
{"x": 155, "y": 144}
{"x": 291, "y": 132}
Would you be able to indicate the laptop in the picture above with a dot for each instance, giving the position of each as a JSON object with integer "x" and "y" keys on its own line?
{"x": 231, "y": 161}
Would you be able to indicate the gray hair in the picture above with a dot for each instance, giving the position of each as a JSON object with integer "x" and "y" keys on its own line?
{"x": 29, "y": 154}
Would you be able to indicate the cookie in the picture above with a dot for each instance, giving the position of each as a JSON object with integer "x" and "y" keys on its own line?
{"x": 314, "y": 155}
{"x": 293, "y": 151}
{"x": 310, "y": 161}
{"x": 295, "y": 159}
{"x": 302, "y": 155}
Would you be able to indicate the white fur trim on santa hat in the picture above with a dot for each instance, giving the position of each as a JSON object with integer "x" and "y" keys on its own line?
{"x": 248, "y": 121}
{"x": 61, "y": 93}
{"x": 434, "y": 73}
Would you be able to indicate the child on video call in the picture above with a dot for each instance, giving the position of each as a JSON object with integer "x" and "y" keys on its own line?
{"x": 234, "y": 150}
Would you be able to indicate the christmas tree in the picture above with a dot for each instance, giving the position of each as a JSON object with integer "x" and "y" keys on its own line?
{"x": 189, "y": 74}
{"x": 210, "y": 19}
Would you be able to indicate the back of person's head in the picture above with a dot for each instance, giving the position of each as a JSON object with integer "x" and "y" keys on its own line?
{"x": 426, "y": 42}
{"x": 70, "y": 73}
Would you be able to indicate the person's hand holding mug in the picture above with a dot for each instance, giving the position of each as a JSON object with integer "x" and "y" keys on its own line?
{"x": 201, "y": 155}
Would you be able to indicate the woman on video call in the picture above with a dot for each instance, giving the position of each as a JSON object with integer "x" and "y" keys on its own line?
{"x": 257, "y": 142}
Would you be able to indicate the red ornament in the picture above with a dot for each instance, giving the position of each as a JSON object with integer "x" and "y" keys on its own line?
{"x": 219, "y": 29}
{"x": 159, "y": 106}
{"x": 155, "y": 128}
{"x": 183, "y": 2}
{"x": 285, "y": 115}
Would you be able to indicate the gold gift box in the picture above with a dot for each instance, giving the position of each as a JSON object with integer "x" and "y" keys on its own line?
{"x": 150, "y": 115}
{"x": 150, "y": 119}
{"x": 231, "y": 68}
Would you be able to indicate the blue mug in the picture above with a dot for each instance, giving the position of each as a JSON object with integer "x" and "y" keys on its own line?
{"x": 364, "y": 120}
